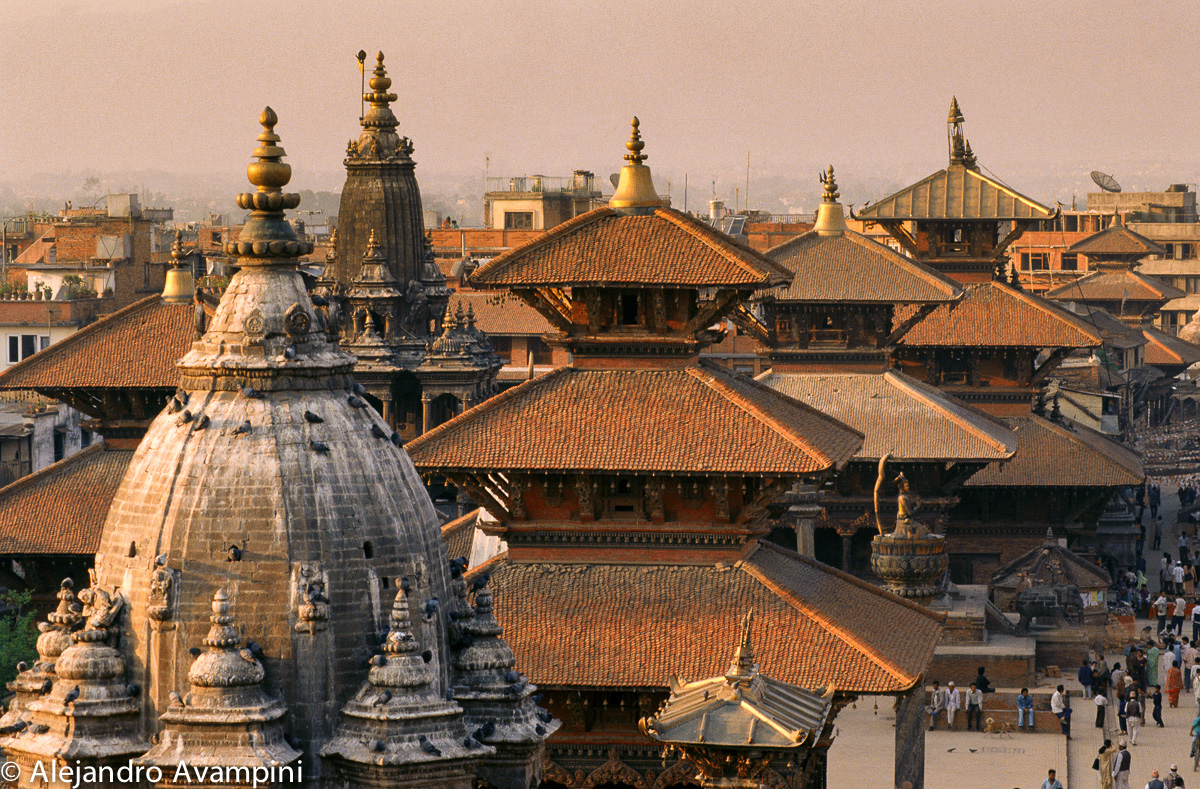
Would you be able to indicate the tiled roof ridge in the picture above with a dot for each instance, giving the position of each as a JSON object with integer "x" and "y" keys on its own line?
{"x": 1049, "y": 308}
{"x": 486, "y": 406}
{"x": 502, "y": 260}
{"x": 719, "y": 243}
{"x": 929, "y": 274}
{"x": 747, "y": 565}
{"x": 940, "y": 404}
{"x": 1150, "y": 281}
{"x": 53, "y": 470}
{"x": 1158, "y": 286}
{"x": 1151, "y": 247}
{"x": 1165, "y": 341}
{"x": 1075, "y": 434}
{"x": 712, "y": 379}
{"x": 74, "y": 338}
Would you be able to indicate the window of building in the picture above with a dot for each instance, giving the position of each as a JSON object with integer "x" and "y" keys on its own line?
{"x": 1035, "y": 261}
{"x": 85, "y": 438}
{"x": 518, "y": 220}
{"x": 503, "y": 346}
{"x": 540, "y": 351}
{"x": 1070, "y": 261}
{"x": 629, "y": 309}
{"x": 60, "y": 445}
{"x": 22, "y": 346}
{"x": 146, "y": 274}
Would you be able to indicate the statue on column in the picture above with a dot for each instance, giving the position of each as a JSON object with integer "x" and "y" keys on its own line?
{"x": 908, "y": 504}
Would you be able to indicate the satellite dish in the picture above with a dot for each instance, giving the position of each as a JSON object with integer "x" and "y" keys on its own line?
{"x": 614, "y": 179}
{"x": 1105, "y": 182}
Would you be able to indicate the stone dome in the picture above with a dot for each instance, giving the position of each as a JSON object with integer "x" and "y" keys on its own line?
{"x": 269, "y": 478}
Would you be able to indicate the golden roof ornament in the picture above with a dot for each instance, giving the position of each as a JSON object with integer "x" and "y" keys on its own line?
{"x": 955, "y": 115}
{"x": 954, "y": 133}
{"x": 179, "y": 285}
{"x": 742, "y": 666}
{"x": 635, "y": 189}
{"x": 969, "y": 156}
{"x": 379, "y": 140}
{"x": 831, "y": 217}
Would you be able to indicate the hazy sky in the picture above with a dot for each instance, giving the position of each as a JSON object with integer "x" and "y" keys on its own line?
{"x": 547, "y": 86}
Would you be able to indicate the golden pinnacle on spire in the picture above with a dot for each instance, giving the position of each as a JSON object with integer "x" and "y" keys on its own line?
{"x": 831, "y": 217}
{"x": 954, "y": 133}
{"x": 635, "y": 144}
{"x": 830, "y": 192}
{"x": 742, "y": 666}
{"x": 379, "y": 81}
{"x": 635, "y": 189}
{"x": 179, "y": 285}
{"x": 267, "y": 234}
{"x": 955, "y": 115}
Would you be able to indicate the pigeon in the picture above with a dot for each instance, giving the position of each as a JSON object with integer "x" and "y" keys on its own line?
{"x": 355, "y": 402}
{"x": 47, "y": 686}
{"x": 378, "y": 432}
{"x": 972, "y": 750}
{"x": 72, "y": 694}
{"x": 396, "y": 439}
{"x": 427, "y": 656}
{"x": 201, "y": 423}
{"x": 377, "y": 660}
{"x": 320, "y": 447}
{"x": 235, "y": 553}
{"x": 176, "y": 699}
{"x": 22, "y": 667}
{"x": 133, "y": 689}
{"x": 250, "y": 393}
{"x": 254, "y": 648}
{"x": 318, "y": 301}
{"x": 359, "y": 389}
{"x": 431, "y": 608}
{"x": 194, "y": 651}
{"x": 514, "y": 689}
{"x": 383, "y": 698}
{"x": 951, "y": 750}
{"x": 378, "y": 746}
{"x": 184, "y": 418}
{"x": 540, "y": 729}
{"x": 40, "y": 728}
{"x": 312, "y": 418}
{"x": 173, "y": 406}
{"x": 429, "y": 747}
{"x": 470, "y": 742}
{"x": 511, "y": 676}
{"x": 404, "y": 583}
{"x": 14, "y": 727}
{"x": 182, "y": 396}
{"x": 480, "y": 582}
{"x": 544, "y": 716}
{"x": 290, "y": 352}
{"x": 243, "y": 428}
{"x": 537, "y": 698}
{"x": 484, "y": 731}
{"x": 247, "y": 655}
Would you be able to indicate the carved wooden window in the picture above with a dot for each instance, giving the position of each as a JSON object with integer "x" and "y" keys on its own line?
{"x": 624, "y": 500}
{"x": 629, "y": 309}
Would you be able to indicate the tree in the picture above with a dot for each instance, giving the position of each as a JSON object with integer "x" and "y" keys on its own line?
{"x": 18, "y": 636}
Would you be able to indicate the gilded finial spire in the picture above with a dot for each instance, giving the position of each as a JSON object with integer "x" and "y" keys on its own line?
{"x": 954, "y": 133}
{"x": 831, "y": 193}
{"x": 179, "y": 284}
{"x": 969, "y": 156}
{"x": 742, "y": 667}
{"x": 267, "y": 236}
{"x": 635, "y": 144}
{"x": 955, "y": 115}
{"x": 635, "y": 190}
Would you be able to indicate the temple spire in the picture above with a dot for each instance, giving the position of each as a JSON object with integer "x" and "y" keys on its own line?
{"x": 831, "y": 218}
{"x": 636, "y": 188}
{"x": 267, "y": 237}
{"x": 742, "y": 667}
{"x": 954, "y": 133}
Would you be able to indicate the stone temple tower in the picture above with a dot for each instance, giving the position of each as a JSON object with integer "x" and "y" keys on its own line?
{"x": 272, "y": 558}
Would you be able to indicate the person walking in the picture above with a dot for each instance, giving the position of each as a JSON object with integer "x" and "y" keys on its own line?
{"x": 1157, "y": 543}
{"x": 1103, "y": 764}
{"x": 1173, "y": 778}
{"x": 1121, "y": 763}
{"x": 1155, "y": 782}
{"x": 1101, "y": 702}
{"x": 953, "y": 703}
{"x": 1189, "y": 655}
{"x": 1160, "y": 606}
{"x": 1056, "y": 702}
{"x": 1051, "y": 782}
{"x": 975, "y": 707}
{"x": 1087, "y": 677}
{"x": 1024, "y": 709}
{"x": 1196, "y": 624}
{"x": 1174, "y": 683}
{"x": 1180, "y": 606}
{"x": 1152, "y": 658}
{"x": 1156, "y": 701}
{"x": 1133, "y": 717}
{"x": 1154, "y": 498}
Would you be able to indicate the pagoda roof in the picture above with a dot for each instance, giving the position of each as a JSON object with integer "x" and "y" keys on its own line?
{"x": 459, "y": 534}
{"x": 1115, "y": 332}
{"x": 500, "y": 313}
{"x": 1052, "y": 564}
{"x": 700, "y": 419}
{"x": 957, "y": 192}
{"x": 992, "y": 314}
{"x": 634, "y": 626}
{"x": 853, "y": 268}
{"x": 1165, "y": 350}
{"x": 61, "y": 509}
{"x": 1117, "y": 241}
{"x": 1118, "y": 285}
{"x": 606, "y": 247}
{"x": 1042, "y": 445}
{"x": 900, "y": 415}
{"x": 134, "y": 347}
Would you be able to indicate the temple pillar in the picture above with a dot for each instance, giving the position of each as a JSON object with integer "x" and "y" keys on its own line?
{"x": 803, "y": 514}
{"x": 389, "y": 413}
{"x": 847, "y": 552}
{"x": 426, "y": 414}
{"x": 910, "y": 738}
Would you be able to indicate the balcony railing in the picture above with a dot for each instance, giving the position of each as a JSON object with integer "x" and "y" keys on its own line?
{"x": 542, "y": 183}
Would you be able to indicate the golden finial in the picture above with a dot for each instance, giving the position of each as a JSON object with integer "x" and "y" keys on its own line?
{"x": 635, "y": 145}
{"x": 831, "y": 192}
{"x": 968, "y": 155}
{"x": 267, "y": 234}
{"x": 177, "y": 247}
{"x": 179, "y": 286}
{"x": 270, "y": 173}
{"x": 379, "y": 81}
{"x": 955, "y": 115}
{"x": 742, "y": 667}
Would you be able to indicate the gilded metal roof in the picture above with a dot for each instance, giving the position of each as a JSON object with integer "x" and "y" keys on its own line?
{"x": 957, "y": 192}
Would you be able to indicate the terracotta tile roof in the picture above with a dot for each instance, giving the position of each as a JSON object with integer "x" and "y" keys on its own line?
{"x": 994, "y": 315}
{"x": 500, "y": 313}
{"x": 61, "y": 509}
{"x": 1116, "y": 241}
{"x": 956, "y": 193}
{"x": 459, "y": 533}
{"x": 604, "y": 247}
{"x": 1115, "y": 286}
{"x": 1051, "y": 560}
{"x": 629, "y": 626}
{"x": 1115, "y": 332}
{"x": 854, "y": 268}
{"x": 898, "y": 414}
{"x": 1042, "y": 446}
{"x": 133, "y": 347}
{"x": 1167, "y": 350}
{"x": 700, "y": 419}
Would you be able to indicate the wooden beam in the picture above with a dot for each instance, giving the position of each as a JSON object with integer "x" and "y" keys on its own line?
{"x": 1049, "y": 365}
{"x": 709, "y": 312}
{"x": 750, "y": 323}
{"x": 553, "y": 310}
{"x": 918, "y": 316}
{"x": 758, "y": 505}
{"x": 1018, "y": 228}
{"x": 896, "y": 230}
